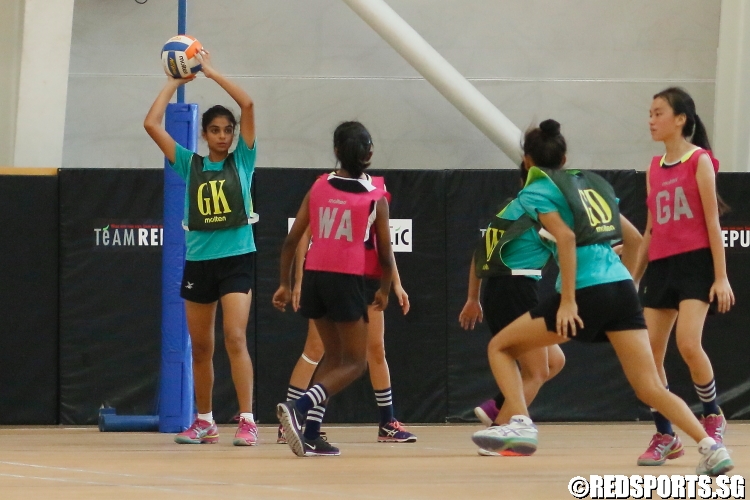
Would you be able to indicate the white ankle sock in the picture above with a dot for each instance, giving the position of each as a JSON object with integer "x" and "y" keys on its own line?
{"x": 248, "y": 417}
{"x": 208, "y": 417}
{"x": 705, "y": 444}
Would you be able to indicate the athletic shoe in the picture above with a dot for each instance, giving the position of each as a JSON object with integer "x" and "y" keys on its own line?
{"x": 715, "y": 426}
{"x": 281, "y": 438}
{"x": 714, "y": 461}
{"x": 662, "y": 447}
{"x": 394, "y": 432}
{"x": 319, "y": 447}
{"x": 290, "y": 420}
{"x": 247, "y": 433}
{"x": 519, "y": 436}
{"x": 199, "y": 433}
{"x": 487, "y": 412}
{"x": 505, "y": 453}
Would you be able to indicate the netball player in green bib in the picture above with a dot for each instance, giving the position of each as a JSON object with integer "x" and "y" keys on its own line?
{"x": 509, "y": 258}
{"x": 219, "y": 239}
{"x": 596, "y": 299}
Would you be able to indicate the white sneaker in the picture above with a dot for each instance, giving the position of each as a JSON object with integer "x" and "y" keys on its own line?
{"x": 714, "y": 461}
{"x": 519, "y": 436}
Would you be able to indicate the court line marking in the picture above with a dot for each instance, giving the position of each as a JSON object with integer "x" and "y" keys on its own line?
{"x": 196, "y": 482}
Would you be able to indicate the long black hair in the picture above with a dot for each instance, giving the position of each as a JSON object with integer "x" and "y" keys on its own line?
{"x": 352, "y": 143}
{"x": 693, "y": 130}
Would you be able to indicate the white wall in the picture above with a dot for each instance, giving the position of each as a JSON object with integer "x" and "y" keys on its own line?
{"x": 11, "y": 36}
{"x": 43, "y": 83}
{"x": 591, "y": 64}
{"x": 732, "y": 107}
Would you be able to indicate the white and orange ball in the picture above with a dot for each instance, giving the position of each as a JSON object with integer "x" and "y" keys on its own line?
{"x": 178, "y": 56}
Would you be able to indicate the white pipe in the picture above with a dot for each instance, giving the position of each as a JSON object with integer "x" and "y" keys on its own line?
{"x": 441, "y": 74}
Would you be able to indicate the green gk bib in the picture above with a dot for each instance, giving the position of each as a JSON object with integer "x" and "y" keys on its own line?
{"x": 215, "y": 198}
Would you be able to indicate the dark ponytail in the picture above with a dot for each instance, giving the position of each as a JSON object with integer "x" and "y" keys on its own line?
{"x": 545, "y": 145}
{"x": 352, "y": 143}
{"x": 693, "y": 130}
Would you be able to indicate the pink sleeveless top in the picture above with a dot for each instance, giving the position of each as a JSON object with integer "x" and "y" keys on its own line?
{"x": 339, "y": 223}
{"x": 678, "y": 222}
{"x": 372, "y": 262}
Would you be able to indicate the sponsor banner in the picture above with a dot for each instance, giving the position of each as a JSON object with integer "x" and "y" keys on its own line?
{"x": 127, "y": 235}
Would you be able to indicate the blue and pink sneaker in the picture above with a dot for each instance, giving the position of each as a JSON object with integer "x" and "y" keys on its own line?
{"x": 395, "y": 432}
{"x": 201, "y": 432}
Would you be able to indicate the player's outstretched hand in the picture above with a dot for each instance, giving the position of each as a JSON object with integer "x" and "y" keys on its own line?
{"x": 471, "y": 314}
{"x": 281, "y": 298}
{"x": 381, "y": 300}
{"x": 722, "y": 292}
{"x": 403, "y": 298}
{"x": 568, "y": 319}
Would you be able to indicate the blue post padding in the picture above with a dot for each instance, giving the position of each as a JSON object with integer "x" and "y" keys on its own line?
{"x": 176, "y": 381}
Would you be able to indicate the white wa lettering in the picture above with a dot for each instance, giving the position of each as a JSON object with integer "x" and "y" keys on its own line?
{"x": 326, "y": 221}
{"x": 345, "y": 226}
{"x": 681, "y": 206}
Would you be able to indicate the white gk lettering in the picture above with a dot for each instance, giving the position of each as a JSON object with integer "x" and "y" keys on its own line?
{"x": 327, "y": 220}
{"x": 681, "y": 206}
{"x": 220, "y": 204}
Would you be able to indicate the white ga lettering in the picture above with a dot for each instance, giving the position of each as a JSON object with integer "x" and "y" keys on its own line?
{"x": 327, "y": 218}
{"x": 681, "y": 206}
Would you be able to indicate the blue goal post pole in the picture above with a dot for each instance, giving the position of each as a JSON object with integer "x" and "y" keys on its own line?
{"x": 176, "y": 375}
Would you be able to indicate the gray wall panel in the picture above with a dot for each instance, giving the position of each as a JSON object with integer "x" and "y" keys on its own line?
{"x": 593, "y": 65}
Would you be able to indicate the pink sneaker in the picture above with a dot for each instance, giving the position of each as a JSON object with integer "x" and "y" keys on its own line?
{"x": 247, "y": 433}
{"x": 662, "y": 447}
{"x": 715, "y": 426}
{"x": 198, "y": 433}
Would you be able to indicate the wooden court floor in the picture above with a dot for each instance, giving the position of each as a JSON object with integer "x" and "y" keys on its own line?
{"x": 83, "y": 463}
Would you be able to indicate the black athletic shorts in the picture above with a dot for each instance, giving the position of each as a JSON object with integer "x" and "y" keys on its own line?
{"x": 671, "y": 280}
{"x": 506, "y": 298}
{"x": 610, "y": 307}
{"x": 372, "y": 285}
{"x": 205, "y": 281}
{"x": 337, "y": 296}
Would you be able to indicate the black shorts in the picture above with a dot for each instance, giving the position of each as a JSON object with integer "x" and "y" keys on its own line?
{"x": 205, "y": 281}
{"x": 372, "y": 285}
{"x": 610, "y": 307}
{"x": 671, "y": 280}
{"x": 506, "y": 298}
{"x": 337, "y": 296}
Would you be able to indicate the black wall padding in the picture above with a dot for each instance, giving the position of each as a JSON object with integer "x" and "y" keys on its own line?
{"x": 416, "y": 344}
{"x": 28, "y": 300}
{"x": 281, "y": 336}
{"x": 472, "y": 198}
{"x": 110, "y": 304}
{"x": 110, "y": 295}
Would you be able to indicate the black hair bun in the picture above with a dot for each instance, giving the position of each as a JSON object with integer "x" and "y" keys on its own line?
{"x": 550, "y": 127}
